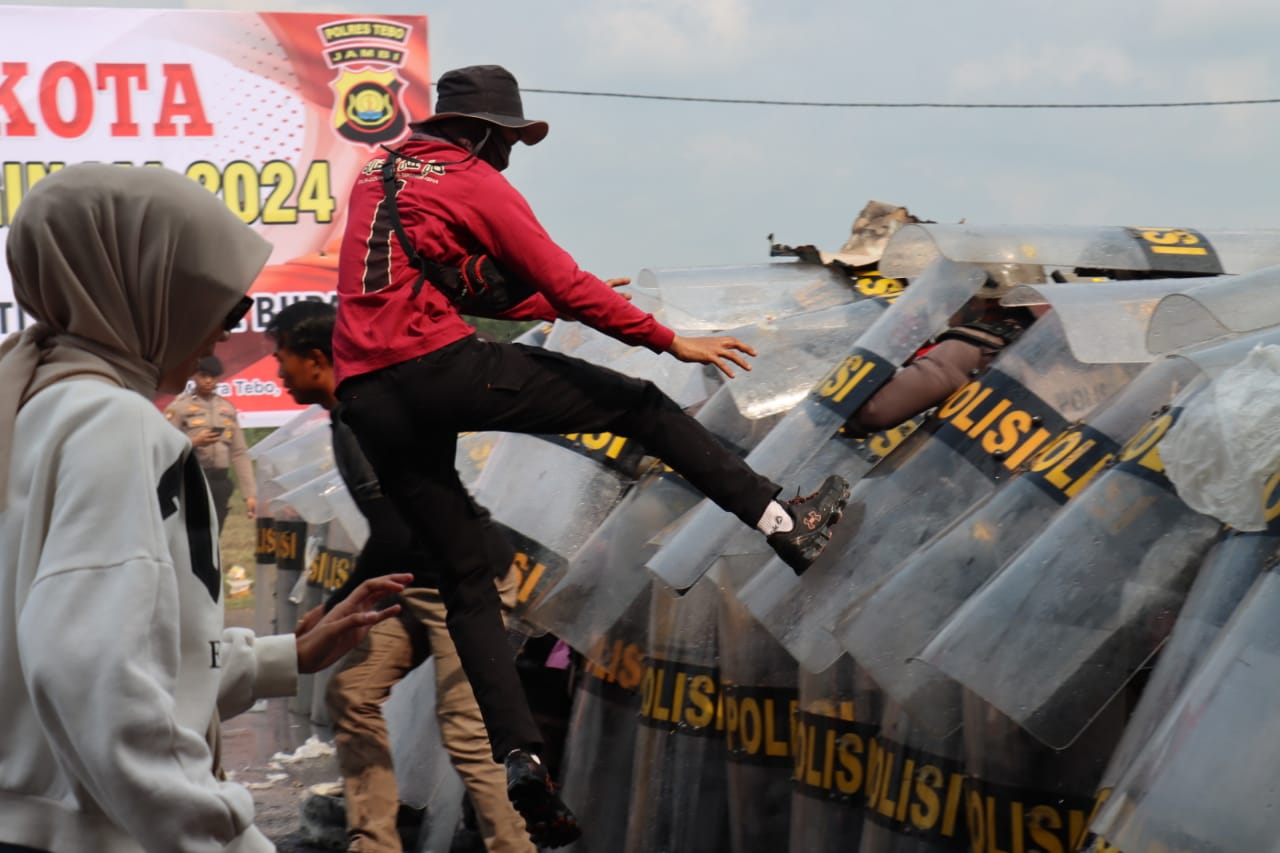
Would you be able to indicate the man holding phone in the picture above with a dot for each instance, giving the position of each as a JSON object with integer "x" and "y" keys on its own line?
{"x": 213, "y": 426}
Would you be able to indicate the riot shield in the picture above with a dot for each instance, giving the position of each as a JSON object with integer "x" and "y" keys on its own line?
{"x": 327, "y": 571}
{"x": 607, "y": 574}
{"x": 836, "y": 723}
{"x": 678, "y": 783}
{"x": 1229, "y": 572}
{"x": 760, "y": 698}
{"x": 967, "y": 450}
{"x": 919, "y": 313}
{"x": 597, "y": 768}
{"x": 1103, "y": 324}
{"x": 1215, "y": 307}
{"x": 1204, "y": 780}
{"x": 303, "y": 438}
{"x": 795, "y": 353}
{"x": 1064, "y": 625}
{"x": 1022, "y": 795}
{"x": 308, "y": 420}
{"x": 576, "y": 478}
{"x": 914, "y": 790}
{"x": 301, "y": 506}
{"x": 608, "y": 571}
{"x": 706, "y": 299}
{"x": 1184, "y": 251}
{"x": 892, "y": 624}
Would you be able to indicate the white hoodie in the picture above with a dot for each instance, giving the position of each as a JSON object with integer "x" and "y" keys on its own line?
{"x": 112, "y": 652}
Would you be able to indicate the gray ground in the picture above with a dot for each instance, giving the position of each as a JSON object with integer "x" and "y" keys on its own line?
{"x": 249, "y": 743}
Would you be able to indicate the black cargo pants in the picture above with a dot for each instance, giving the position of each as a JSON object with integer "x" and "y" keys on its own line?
{"x": 407, "y": 418}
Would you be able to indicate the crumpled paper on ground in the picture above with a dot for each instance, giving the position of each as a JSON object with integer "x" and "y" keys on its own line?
{"x": 1226, "y": 443}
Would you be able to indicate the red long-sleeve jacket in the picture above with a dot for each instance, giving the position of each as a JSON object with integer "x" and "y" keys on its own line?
{"x": 451, "y": 210}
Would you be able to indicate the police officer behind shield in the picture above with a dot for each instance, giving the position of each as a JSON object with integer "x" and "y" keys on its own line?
{"x": 213, "y": 426}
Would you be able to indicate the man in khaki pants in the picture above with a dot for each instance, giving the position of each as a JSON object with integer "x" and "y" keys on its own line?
{"x": 302, "y": 333}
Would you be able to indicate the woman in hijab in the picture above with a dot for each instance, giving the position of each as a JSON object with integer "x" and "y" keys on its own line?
{"x": 114, "y": 664}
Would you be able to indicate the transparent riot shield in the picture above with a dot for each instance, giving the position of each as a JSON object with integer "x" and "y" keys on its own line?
{"x": 1215, "y": 307}
{"x": 327, "y": 571}
{"x": 919, "y": 313}
{"x": 1204, "y": 780}
{"x": 550, "y": 492}
{"x": 1229, "y": 572}
{"x": 914, "y": 790}
{"x": 795, "y": 353}
{"x": 289, "y": 534}
{"x": 308, "y": 514}
{"x": 302, "y": 439}
{"x": 1022, "y": 795}
{"x": 836, "y": 723}
{"x": 760, "y": 699}
{"x": 679, "y": 796}
{"x": 600, "y": 749}
{"x": 704, "y": 299}
{"x": 607, "y": 573}
{"x": 308, "y": 420}
{"x": 1184, "y": 251}
{"x": 893, "y": 623}
{"x": 1108, "y": 323}
{"x": 1064, "y": 625}
{"x": 969, "y": 448}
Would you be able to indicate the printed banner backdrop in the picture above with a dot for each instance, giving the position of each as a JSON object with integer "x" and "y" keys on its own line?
{"x": 273, "y": 112}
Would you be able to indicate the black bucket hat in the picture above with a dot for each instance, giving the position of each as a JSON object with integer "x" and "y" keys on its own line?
{"x": 486, "y": 92}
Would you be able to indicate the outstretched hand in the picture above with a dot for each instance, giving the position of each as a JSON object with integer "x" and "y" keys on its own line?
{"x": 715, "y": 350}
{"x": 342, "y": 628}
{"x": 615, "y": 283}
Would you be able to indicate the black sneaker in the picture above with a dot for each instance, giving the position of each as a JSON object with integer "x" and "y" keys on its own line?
{"x": 548, "y": 819}
{"x": 813, "y": 517}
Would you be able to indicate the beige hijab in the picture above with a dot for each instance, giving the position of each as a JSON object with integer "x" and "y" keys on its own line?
{"x": 126, "y": 270}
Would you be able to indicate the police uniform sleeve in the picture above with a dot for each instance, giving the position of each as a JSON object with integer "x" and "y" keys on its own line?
{"x": 241, "y": 462}
{"x": 921, "y": 385}
{"x": 173, "y": 415}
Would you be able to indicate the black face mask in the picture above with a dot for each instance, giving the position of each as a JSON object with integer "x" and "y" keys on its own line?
{"x": 494, "y": 150}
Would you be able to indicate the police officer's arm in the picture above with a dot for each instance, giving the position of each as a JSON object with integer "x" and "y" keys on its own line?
{"x": 921, "y": 385}
{"x": 173, "y": 416}
{"x": 243, "y": 465}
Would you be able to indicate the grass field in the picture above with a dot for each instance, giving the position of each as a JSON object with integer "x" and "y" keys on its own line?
{"x": 238, "y": 538}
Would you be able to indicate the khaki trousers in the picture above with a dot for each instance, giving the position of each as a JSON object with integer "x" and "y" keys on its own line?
{"x": 355, "y": 695}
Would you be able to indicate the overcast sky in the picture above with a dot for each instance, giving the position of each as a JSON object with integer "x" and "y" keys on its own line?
{"x": 627, "y": 184}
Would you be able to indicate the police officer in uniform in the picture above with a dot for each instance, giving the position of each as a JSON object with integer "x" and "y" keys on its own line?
{"x": 211, "y": 422}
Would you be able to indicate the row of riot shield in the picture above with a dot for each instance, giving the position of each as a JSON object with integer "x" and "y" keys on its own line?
{"x": 958, "y": 669}
{"x": 1014, "y": 646}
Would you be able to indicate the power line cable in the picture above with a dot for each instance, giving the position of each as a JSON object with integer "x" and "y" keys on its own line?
{"x": 907, "y": 104}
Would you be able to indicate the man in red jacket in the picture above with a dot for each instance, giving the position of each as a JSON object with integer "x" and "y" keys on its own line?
{"x": 412, "y": 375}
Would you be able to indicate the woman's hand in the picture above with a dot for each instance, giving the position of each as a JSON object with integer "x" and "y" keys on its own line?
{"x": 342, "y": 628}
{"x": 712, "y": 350}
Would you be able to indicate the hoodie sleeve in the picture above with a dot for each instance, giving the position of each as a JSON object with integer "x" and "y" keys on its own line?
{"x": 104, "y": 696}
{"x": 100, "y": 642}
{"x": 255, "y": 668}
{"x": 502, "y": 220}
